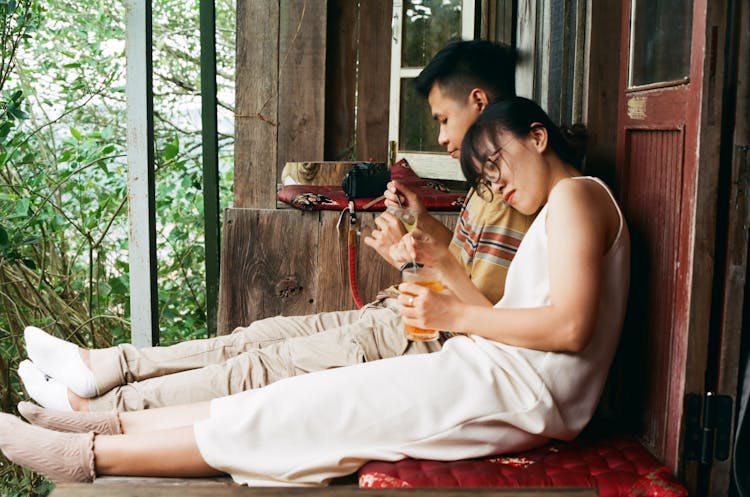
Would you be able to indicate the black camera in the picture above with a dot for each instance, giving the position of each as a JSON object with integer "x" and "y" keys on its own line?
{"x": 366, "y": 180}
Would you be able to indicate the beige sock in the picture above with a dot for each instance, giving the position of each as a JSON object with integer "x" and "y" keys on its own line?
{"x": 61, "y": 457}
{"x": 101, "y": 423}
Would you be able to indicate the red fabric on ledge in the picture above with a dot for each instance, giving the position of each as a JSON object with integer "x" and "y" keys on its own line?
{"x": 616, "y": 466}
{"x": 434, "y": 195}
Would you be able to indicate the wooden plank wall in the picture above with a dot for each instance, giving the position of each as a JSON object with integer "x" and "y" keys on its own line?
{"x": 291, "y": 262}
{"x": 301, "y": 96}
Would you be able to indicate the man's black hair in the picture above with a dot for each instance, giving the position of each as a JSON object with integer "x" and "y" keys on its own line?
{"x": 461, "y": 66}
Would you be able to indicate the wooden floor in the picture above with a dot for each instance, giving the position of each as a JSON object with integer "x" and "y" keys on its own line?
{"x": 224, "y": 487}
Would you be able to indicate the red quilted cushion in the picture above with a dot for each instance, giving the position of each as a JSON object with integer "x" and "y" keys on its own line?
{"x": 616, "y": 466}
{"x": 433, "y": 194}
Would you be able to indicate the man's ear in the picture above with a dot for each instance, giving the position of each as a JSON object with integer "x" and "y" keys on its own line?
{"x": 479, "y": 98}
{"x": 539, "y": 136}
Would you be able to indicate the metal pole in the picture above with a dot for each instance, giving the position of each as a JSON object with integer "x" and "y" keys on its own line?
{"x": 210, "y": 160}
{"x": 141, "y": 192}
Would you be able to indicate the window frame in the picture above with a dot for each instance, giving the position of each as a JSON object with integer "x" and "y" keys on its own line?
{"x": 436, "y": 165}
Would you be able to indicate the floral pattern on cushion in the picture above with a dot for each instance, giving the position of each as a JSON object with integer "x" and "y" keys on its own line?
{"x": 617, "y": 466}
{"x": 380, "y": 480}
{"x": 658, "y": 483}
{"x": 516, "y": 462}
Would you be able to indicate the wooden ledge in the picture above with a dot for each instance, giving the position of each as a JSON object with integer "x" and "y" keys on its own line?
{"x": 224, "y": 487}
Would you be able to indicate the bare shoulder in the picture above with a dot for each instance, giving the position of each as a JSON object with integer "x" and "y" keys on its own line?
{"x": 580, "y": 192}
{"x": 586, "y": 200}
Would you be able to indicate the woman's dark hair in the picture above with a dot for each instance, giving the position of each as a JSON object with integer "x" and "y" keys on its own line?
{"x": 515, "y": 115}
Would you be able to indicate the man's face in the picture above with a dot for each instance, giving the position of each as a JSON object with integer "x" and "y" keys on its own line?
{"x": 454, "y": 116}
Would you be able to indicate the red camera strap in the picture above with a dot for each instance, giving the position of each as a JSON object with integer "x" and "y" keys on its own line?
{"x": 352, "y": 252}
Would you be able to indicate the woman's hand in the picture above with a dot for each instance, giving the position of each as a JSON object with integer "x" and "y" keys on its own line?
{"x": 423, "y": 308}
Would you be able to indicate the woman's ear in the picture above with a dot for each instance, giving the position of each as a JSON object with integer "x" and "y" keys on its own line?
{"x": 479, "y": 98}
{"x": 539, "y": 136}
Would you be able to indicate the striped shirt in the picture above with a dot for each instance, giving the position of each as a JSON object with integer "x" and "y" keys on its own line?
{"x": 485, "y": 240}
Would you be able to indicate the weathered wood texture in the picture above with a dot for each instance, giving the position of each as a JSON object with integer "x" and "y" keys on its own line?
{"x": 302, "y": 70}
{"x": 312, "y": 85}
{"x": 256, "y": 103}
{"x": 601, "y": 88}
{"x": 292, "y": 262}
{"x": 163, "y": 489}
{"x": 669, "y": 137}
{"x": 373, "y": 82}
{"x": 341, "y": 80}
{"x": 496, "y": 20}
{"x": 736, "y": 217}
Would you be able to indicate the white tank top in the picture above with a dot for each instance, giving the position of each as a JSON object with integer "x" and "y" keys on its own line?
{"x": 575, "y": 381}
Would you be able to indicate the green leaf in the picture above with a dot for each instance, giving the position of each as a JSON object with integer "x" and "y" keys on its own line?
{"x": 76, "y": 134}
{"x": 3, "y": 237}
{"x": 171, "y": 150}
{"x": 22, "y": 207}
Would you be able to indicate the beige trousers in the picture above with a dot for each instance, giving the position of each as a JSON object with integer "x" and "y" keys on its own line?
{"x": 266, "y": 351}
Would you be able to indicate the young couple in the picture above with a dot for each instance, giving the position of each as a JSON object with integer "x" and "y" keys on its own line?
{"x": 521, "y": 370}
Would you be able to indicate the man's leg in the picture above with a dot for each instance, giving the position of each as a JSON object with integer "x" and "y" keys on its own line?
{"x": 378, "y": 334}
{"x": 124, "y": 363}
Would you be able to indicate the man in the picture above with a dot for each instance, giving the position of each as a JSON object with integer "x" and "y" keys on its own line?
{"x": 459, "y": 83}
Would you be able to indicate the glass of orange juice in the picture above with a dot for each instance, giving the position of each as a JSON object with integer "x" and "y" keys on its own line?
{"x": 430, "y": 278}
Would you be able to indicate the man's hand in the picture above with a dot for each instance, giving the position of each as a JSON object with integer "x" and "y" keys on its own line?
{"x": 399, "y": 195}
{"x": 421, "y": 247}
{"x": 388, "y": 233}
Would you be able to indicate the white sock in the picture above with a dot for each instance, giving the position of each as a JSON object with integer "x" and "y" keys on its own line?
{"x": 61, "y": 360}
{"x": 47, "y": 391}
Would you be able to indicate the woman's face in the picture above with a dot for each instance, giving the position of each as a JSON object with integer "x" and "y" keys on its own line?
{"x": 517, "y": 172}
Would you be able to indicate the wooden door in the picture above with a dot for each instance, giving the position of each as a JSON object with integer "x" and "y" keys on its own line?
{"x": 669, "y": 127}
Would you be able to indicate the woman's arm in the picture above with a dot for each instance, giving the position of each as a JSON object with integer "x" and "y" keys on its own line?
{"x": 421, "y": 247}
{"x": 581, "y": 223}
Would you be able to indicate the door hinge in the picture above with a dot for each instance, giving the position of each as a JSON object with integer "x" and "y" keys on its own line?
{"x": 708, "y": 427}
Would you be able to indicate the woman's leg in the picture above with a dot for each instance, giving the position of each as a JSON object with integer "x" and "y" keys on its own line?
{"x": 112, "y": 422}
{"x": 163, "y": 418}
{"x": 168, "y": 453}
{"x": 78, "y": 457}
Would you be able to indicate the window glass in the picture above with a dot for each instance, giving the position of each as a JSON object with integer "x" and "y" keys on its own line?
{"x": 418, "y": 131}
{"x": 660, "y": 37}
{"x": 427, "y": 25}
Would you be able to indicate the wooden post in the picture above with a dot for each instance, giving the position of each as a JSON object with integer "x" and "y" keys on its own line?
{"x": 373, "y": 83}
{"x": 302, "y": 78}
{"x": 256, "y": 119}
{"x": 210, "y": 145}
{"x": 141, "y": 192}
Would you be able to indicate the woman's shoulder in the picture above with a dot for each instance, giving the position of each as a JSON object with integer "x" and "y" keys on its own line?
{"x": 581, "y": 188}
{"x": 587, "y": 198}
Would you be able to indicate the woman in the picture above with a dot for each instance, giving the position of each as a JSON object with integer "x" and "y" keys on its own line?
{"x": 528, "y": 369}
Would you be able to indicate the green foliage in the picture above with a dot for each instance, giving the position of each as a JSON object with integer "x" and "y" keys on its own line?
{"x": 63, "y": 178}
